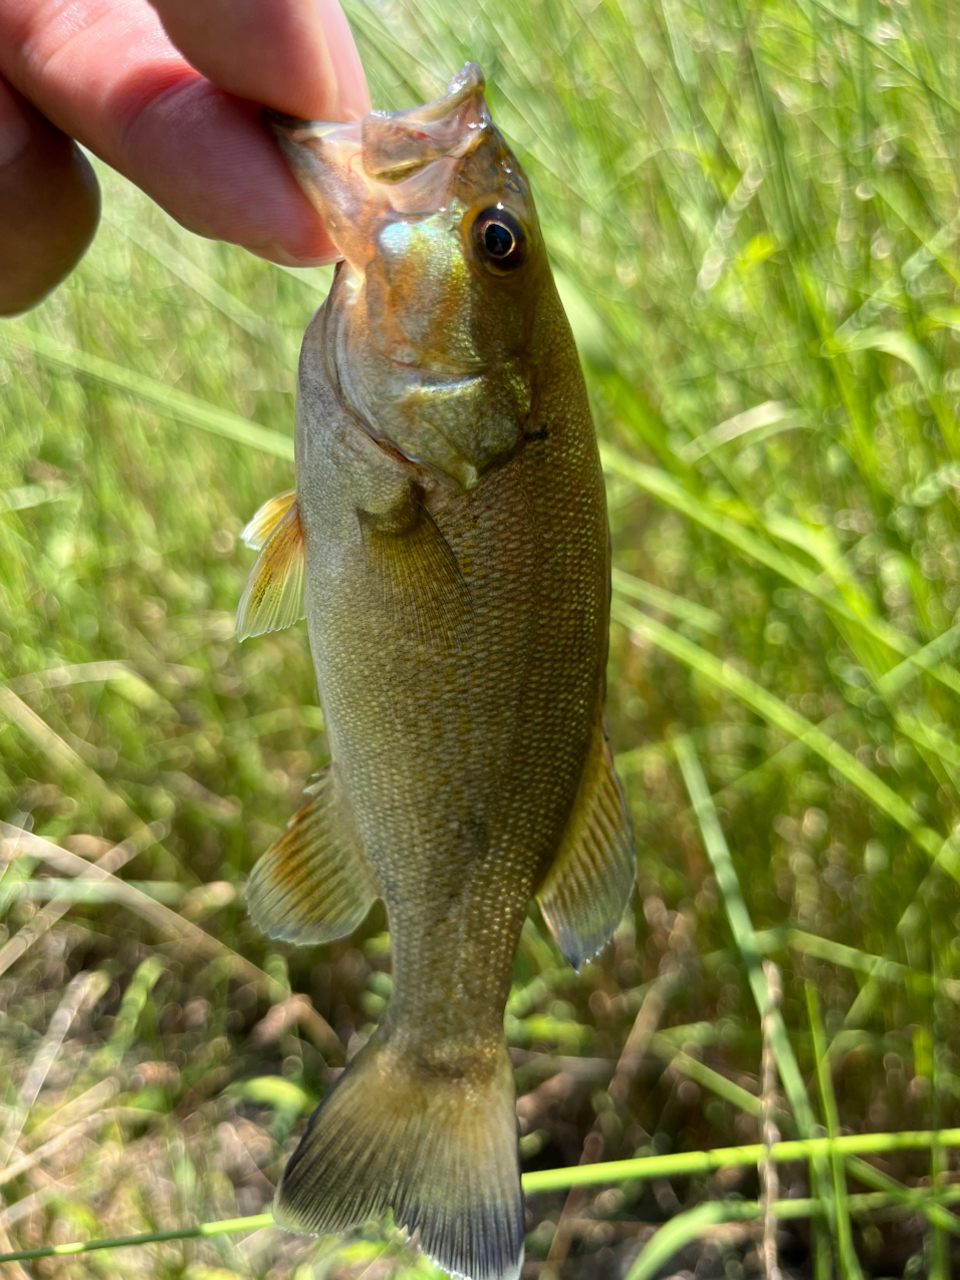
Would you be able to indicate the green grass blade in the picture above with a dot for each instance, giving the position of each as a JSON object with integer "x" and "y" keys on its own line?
{"x": 742, "y": 928}
{"x": 681, "y": 1164}
{"x": 849, "y": 1262}
{"x": 773, "y": 709}
{"x": 175, "y": 404}
{"x": 667, "y": 1242}
{"x": 649, "y": 593}
{"x": 670, "y": 492}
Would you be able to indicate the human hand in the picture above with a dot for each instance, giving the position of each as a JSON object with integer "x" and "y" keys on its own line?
{"x": 169, "y": 95}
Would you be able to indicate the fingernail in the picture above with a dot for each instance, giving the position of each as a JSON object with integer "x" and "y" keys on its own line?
{"x": 275, "y": 252}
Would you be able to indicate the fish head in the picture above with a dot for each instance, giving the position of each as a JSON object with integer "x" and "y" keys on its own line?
{"x": 429, "y": 322}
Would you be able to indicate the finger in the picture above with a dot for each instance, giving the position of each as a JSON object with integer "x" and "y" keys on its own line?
{"x": 49, "y": 204}
{"x": 298, "y": 56}
{"x": 105, "y": 72}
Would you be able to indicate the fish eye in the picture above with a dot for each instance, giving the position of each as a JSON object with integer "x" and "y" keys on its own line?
{"x": 499, "y": 239}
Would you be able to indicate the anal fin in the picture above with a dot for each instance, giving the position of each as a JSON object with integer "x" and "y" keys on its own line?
{"x": 589, "y": 885}
{"x": 273, "y": 596}
{"x": 313, "y": 884}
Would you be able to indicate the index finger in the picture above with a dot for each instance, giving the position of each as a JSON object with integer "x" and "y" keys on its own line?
{"x": 298, "y": 57}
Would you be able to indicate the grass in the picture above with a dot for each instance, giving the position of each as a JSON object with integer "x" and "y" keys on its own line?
{"x": 752, "y": 214}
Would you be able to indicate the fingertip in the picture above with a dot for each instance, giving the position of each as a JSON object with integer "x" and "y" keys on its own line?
{"x": 315, "y": 255}
{"x": 297, "y": 56}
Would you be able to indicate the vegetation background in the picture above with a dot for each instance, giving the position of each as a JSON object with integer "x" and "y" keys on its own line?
{"x": 752, "y": 209}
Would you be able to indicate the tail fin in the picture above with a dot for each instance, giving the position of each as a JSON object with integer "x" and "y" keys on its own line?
{"x": 438, "y": 1148}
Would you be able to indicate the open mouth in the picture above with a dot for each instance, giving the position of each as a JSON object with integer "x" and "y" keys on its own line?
{"x": 405, "y": 162}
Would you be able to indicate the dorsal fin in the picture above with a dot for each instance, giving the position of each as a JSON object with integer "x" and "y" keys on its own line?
{"x": 591, "y": 880}
{"x": 273, "y": 596}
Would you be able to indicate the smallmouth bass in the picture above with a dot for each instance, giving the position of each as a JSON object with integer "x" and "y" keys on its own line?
{"x": 447, "y": 541}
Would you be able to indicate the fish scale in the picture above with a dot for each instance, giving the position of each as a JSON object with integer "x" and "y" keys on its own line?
{"x": 449, "y": 527}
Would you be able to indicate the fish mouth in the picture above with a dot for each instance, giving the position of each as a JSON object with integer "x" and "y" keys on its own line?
{"x": 397, "y": 145}
{"x": 399, "y": 163}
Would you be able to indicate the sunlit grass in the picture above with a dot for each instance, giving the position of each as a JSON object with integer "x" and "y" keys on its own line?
{"x": 752, "y": 211}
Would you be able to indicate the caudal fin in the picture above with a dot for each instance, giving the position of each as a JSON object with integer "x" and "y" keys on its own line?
{"x": 437, "y": 1148}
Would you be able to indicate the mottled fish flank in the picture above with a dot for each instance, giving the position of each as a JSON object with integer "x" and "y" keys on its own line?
{"x": 447, "y": 541}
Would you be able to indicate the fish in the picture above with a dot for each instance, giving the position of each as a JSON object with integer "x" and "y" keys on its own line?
{"x": 447, "y": 542}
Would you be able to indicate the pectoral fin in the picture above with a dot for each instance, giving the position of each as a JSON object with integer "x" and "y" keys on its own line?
{"x": 419, "y": 581}
{"x": 590, "y": 883}
{"x": 273, "y": 596}
{"x": 313, "y": 884}
{"x": 271, "y": 514}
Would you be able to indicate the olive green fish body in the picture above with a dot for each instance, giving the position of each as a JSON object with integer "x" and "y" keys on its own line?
{"x": 450, "y": 528}
{"x": 461, "y": 753}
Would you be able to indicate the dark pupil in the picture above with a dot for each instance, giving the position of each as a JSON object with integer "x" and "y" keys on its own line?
{"x": 497, "y": 240}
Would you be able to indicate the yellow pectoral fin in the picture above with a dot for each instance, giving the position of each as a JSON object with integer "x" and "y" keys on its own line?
{"x": 273, "y": 596}
{"x": 419, "y": 581}
{"x": 590, "y": 883}
{"x": 313, "y": 884}
{"x": 270, "y": 515}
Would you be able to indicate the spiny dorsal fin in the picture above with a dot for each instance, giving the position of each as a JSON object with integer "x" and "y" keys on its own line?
{"x": 437, "y": 1147}
{"x": 273, "y": 596}
{"x": 419, "y": 580}
{"x": 590, "y": 883}
{"x": 267, "y": 518}
{"x": 313, "y": 884}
